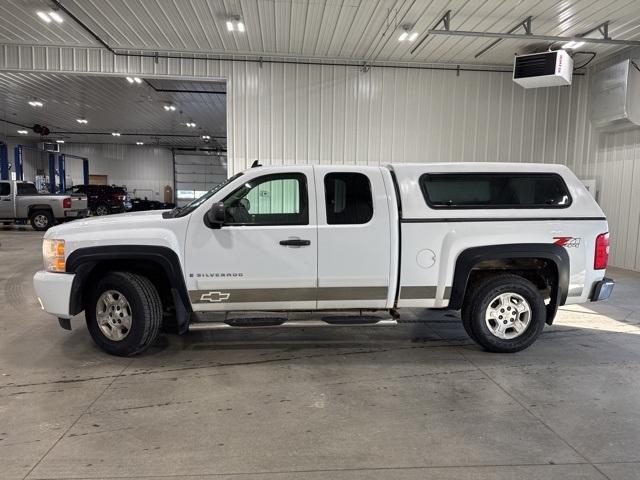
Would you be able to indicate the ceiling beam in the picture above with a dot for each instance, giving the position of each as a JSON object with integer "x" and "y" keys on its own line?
{"x": 525, "y": 24}
{"x": 546, "y": 38}
{"x": 603, "y": 29}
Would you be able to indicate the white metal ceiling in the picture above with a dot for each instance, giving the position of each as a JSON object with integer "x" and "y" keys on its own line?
{"x": 112, "y": 104}
{"x": 336, "y": 29}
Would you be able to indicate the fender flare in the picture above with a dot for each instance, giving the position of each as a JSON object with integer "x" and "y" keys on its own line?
{"x": 38, "y": 206}
{"x": 83, "y": 260}
{"x": 469, "y": 258}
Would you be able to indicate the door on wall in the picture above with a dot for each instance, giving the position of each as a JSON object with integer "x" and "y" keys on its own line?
{"x": 195, "y": 173}
{"x": 98, "y": 180}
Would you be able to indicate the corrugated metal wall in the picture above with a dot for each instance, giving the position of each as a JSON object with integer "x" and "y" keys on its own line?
{"x": 281, "y": 113}
{"x": 335, "y": 114}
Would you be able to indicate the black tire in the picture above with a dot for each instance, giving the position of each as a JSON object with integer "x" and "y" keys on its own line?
{"x": 480, "y": 297}
{"x": 41, "y": 220}
{"x": 465, "y": 315}
{"x": 145, "y": 310}
{"x": 102, "y": 209}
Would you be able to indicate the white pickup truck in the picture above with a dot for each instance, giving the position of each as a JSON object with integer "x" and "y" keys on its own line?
{"x": 507, "y": 244}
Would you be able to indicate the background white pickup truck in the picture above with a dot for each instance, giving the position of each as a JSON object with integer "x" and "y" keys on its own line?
{"x": 505, "y": 243}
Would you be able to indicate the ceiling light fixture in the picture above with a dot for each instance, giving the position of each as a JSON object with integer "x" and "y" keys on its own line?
{"x": 59, "y": 141}
{"x": 408, "y": 34}
{"x": 115, "y": 134}
{"x": 139, "y": 143}
{"x": 130, "y": 79}
{"x": 44, "y": 17}
{"x": 23, "y": 132}
{"x": 190, "y": 125}
{"x": 137, "y": 80}
{"x": 83, "y": 121}
{"x": 206, "y": 137}
{"x": 170, "y": 108}
{"x": 36, "y": 103}
{"x": 56, "y": 16}
{"x": 572, "y": 45}
{"x": 234, "y": 24}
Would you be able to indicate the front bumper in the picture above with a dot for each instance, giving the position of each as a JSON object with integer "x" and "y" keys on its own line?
{"x": 602, "y": 289}
{"x": 54, "y": 292}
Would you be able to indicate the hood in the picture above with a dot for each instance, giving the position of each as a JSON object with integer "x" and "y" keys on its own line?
{"x": 148, "y": 219}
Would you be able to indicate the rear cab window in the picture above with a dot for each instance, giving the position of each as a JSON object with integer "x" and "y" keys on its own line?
{"x": 26, "y": 189}
{"x": 494, "y": 190}
{"x": 5, "y": 189}
{"x": 348, "y": 198}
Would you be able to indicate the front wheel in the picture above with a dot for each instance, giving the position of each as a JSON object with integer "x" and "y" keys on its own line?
{"x": 505, "y": 314}
{"x": 123, "y": 313}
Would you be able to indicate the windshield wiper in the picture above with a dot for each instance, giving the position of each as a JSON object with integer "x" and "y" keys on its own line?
{"x": 172, "y": 213}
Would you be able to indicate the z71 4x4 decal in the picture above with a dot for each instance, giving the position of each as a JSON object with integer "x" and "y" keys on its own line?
{"x": 567, "y": 242}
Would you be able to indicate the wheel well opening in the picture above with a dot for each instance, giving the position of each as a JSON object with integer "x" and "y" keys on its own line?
{"x": 37, "y": 208}
{"x": 542, "y": 272}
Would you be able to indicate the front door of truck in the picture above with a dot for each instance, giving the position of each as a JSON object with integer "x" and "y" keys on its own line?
{"x": 354, "y": 238}
{"x": 265, "y": 254}
{"x": 6, "y": 205}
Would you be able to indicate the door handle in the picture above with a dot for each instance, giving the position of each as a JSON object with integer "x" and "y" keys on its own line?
{"x": 295, "y": 242}
{"x": 6, "y": 199}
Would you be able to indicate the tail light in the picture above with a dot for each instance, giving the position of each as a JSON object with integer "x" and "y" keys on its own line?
{"x": 66, "y": 203}
{"x": 602, "y": 252}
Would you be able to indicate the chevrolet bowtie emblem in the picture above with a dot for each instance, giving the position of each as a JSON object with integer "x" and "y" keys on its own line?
{"x": 214, "y": 297}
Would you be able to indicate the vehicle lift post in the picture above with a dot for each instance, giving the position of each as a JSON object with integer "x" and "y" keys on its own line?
{"x": 85, "y": 171}
{"x": 4, "y": 162}
{"x": 18, "y": 153}
{"x": 52, "y": 173}
{"x": 62, "y": 172}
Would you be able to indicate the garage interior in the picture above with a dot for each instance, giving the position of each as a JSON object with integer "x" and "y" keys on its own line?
{"x": 199, "y": 90}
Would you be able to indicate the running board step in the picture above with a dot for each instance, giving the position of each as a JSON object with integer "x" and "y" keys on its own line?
{"x": 253, "y": 323}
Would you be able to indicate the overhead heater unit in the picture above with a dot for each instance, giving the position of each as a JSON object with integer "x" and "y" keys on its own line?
{"x": 49, "y": 147}
{"x": 548, "y": 69}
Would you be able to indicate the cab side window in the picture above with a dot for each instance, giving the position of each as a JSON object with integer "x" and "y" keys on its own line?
{"x": 5, "y": 189}
{"x": 348, "y": 198}
{"x": 278, "y": 199}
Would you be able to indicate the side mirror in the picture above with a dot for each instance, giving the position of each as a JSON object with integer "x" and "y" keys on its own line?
{"x": 215, "y": 216}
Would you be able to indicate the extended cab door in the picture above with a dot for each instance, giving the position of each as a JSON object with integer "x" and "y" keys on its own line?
{"x": 6, "y": 203}
{"x": 354, "y": 238}
{"x": 265, "y": 255}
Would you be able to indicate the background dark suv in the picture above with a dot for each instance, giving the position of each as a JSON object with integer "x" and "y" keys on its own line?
{"x": 103, "y": 199}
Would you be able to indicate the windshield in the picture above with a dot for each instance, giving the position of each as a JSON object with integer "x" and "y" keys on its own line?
{"x": 191, "y": 206}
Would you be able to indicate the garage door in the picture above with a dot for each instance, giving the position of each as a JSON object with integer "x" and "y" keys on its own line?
{"x": 196, "y": 173}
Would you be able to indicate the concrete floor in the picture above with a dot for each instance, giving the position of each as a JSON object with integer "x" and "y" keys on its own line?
{"x": 414, "y": 401}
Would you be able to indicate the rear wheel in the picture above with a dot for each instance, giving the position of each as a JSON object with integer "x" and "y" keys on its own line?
{"x": 41, "y": 220}
{"x": 102, "y": 210}
{"x": 123, "y": 313}
{"x": 504, "y": 314}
